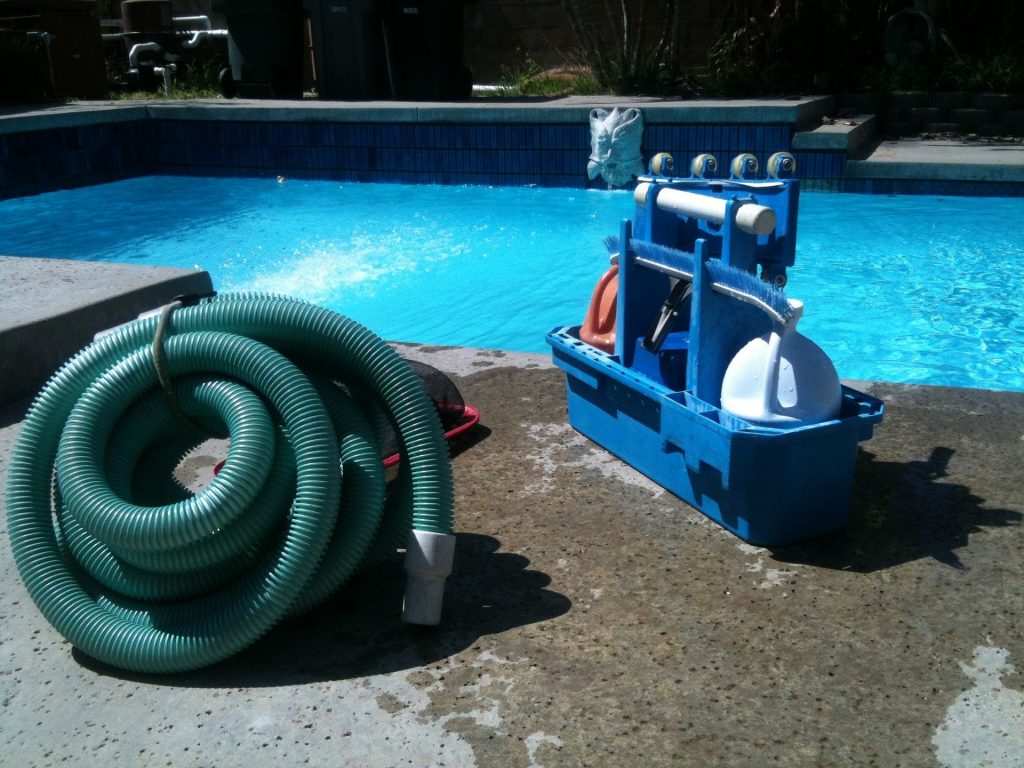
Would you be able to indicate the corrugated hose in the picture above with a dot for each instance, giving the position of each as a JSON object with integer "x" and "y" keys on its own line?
{"x": 143, "y": 575}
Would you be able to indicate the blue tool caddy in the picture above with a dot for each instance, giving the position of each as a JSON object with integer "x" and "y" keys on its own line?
{"x": 657, "y": 406}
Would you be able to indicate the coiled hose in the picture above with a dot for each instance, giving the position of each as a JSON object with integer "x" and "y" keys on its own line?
{"x": 142, "y": 575}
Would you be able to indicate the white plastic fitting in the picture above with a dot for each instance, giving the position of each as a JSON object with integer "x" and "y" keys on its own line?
{"x": 167, "y": 73}
{"x": 192, "y": 22}
{"x": 428, "y": 561}
{"x": 750, "y": 217}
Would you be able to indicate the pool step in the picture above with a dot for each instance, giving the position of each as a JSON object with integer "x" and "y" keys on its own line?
{"x": 843, "y": 134}
{"x": 940, "y": 160}
{"x": 51, "y": 308}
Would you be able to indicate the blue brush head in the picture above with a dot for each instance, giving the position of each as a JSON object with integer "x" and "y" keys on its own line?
{"x": 611, "y": 242}
{"x": 662, "y": 254}
{"x": 762, "y": 293}
{"x": 738, "y": 283}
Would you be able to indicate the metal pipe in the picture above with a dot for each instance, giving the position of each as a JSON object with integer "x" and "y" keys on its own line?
{"x": 167, "y": 72}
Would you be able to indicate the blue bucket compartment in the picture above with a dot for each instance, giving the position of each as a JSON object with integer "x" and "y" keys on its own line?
{"x": 655, "y": 402}
{"x": 768, "y": 486}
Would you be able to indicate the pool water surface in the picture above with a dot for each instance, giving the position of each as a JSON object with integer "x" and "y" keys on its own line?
{"x": 910, "y": 289}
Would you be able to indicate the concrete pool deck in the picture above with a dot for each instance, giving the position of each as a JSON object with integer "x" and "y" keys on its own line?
{"x": 593, "y": 619}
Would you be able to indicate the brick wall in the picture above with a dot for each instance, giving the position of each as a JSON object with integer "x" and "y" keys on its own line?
{"x": 910, "y": 113}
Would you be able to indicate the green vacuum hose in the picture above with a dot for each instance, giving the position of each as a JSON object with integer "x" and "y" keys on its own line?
{"x": 144, "y": 576}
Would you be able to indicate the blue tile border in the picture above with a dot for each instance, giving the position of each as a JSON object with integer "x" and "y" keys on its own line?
{"x": 438, "y": 153}
{"x": 58, "y": 158}
{"x": 497, "y": 153}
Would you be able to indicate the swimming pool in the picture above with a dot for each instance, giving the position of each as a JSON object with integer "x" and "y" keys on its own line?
{"x": 911, "y": 289}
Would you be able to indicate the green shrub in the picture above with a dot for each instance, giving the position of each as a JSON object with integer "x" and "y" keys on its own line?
{"x": 771, "y": 47}
{"x": 996, "y": 73}
{"x": 1001, "y": 73}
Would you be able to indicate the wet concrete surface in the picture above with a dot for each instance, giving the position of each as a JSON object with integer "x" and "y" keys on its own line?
{"x": 595, "y": 620}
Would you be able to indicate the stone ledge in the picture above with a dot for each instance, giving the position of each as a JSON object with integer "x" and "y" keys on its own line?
{"x": 845, "y": 135}
{"x": 940, "y": 160}
{"x": 51, "y": 308}
{"x": 570, "y": 109}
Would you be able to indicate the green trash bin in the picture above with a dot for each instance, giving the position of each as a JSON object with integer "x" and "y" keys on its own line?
{"x": 265, "y": 48}
{"x": 72, "y": 47}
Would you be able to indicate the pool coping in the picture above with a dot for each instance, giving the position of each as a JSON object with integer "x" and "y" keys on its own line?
{"x": 572, "y": 109}
{"x": 941, "y": 160}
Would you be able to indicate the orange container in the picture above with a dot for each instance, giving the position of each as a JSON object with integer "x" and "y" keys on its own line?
{"x": 598, "y": 328}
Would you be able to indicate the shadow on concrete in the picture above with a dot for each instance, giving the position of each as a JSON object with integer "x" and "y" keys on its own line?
{"x": 901, "y": 512}
{"x": 465, "y": 441}
{"x": 359, "y": 631}
{"x": 14, "y": 412}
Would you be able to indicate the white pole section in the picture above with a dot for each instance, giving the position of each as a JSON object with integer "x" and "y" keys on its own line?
{"x": 752, "y": 218}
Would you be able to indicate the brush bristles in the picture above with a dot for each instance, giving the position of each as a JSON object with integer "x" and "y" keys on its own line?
{"x": 738, "y": 283}
{"x": 752, "y": 286}
{"x": 681, "y": 261}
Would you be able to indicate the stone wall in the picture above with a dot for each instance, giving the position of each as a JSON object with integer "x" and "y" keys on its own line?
{"x": 914, "y": 113}
{"x": 984, "y": 114}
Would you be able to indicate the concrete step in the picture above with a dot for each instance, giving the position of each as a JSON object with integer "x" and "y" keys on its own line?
{"x": 52, "y": 308}
{"x": 940, "y": 160}
{"x": 837, "y": 135}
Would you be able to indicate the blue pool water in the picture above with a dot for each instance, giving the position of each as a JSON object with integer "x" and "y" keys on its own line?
{"x": 909, "y": 289}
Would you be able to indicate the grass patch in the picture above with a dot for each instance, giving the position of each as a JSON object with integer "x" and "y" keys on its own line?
{"x": 530, "y": 79}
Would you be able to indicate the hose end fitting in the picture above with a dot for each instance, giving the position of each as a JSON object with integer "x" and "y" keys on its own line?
{"x": 428, "y": 561}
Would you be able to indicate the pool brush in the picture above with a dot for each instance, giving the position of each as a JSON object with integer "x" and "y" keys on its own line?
{"x": 728, "y": 280}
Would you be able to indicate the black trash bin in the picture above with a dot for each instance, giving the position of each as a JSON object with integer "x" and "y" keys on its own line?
{"x": 27, "y": 54}
{"x": 425, "y": 43}
{"x": 149, "y": 21}
{"x": 348, "y": 48}
{"x": 265, "y": 48}
{"x": 72, "y": 45}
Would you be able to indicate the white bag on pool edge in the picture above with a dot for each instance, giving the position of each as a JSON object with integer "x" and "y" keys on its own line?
{"x": 615, "y": 145}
